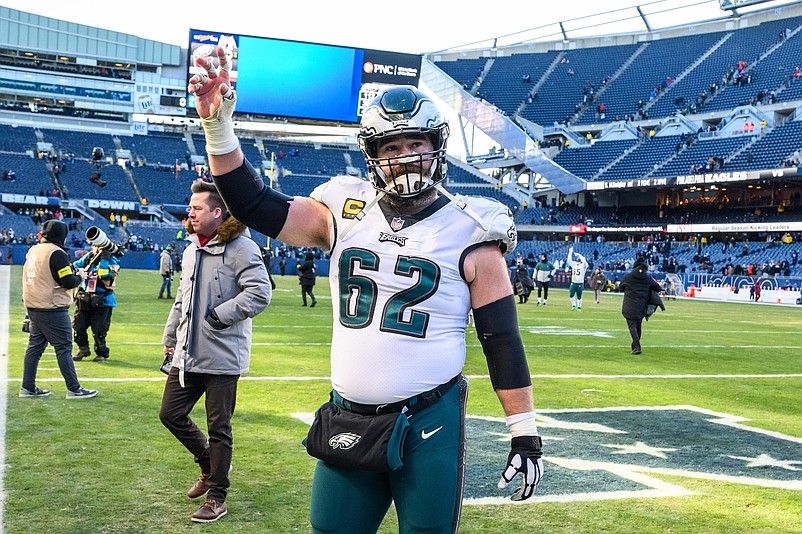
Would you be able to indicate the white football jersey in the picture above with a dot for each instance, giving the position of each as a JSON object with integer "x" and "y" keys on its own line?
{"x": 578, "y": 269}
{"x": 400, "y": 302}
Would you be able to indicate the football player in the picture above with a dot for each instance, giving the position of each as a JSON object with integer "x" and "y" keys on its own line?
{"x": 578, "y": 266}
{"x": 409, "y": 262}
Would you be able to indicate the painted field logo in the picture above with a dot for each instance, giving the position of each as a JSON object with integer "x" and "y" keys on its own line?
{"x": 610, "y": 453}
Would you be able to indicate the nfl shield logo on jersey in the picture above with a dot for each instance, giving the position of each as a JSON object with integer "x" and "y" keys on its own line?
{"x": 397, "y": 223}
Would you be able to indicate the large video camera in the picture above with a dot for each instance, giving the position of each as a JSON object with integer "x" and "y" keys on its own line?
{"x": 98, "y": 238}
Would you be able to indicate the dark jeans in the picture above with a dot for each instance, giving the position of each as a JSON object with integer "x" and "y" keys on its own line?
{"x": 167, "y": 284}
{"x": 634, "y": 326}
{"x": 50, "y": 326}
{"x": 307, "y": 290}
{"x": 212, "y": 455}
{"x": 543, "y": 287}
{"x": 99, "y": 320}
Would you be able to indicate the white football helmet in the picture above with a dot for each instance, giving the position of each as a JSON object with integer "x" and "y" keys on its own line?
{"x": 398, "y": 110}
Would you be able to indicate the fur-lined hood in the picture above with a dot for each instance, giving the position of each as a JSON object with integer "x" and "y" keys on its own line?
{"x": 230, "y": 229}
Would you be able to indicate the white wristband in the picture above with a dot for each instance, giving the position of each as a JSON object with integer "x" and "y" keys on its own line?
{"x": 219, "y": 128}
{"x": 522, "y": 424}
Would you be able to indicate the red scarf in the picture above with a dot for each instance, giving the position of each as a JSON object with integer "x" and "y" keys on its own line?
{"x": 203, "y": 239}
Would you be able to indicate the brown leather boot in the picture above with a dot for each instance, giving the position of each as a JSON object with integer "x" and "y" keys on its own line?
{"x": 83, "y": 352}
{"x": 200, "y": 487}
{"x": 210, "y": 511}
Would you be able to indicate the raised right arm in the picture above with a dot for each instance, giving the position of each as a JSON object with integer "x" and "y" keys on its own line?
{"x": 299, "y": 221}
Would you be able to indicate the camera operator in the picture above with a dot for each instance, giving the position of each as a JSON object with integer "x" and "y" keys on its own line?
{"x": 47, "y": 280}
{"x": 95, "y": 300}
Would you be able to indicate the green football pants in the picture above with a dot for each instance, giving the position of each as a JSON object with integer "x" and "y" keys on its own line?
{"x": 427, "y": 490}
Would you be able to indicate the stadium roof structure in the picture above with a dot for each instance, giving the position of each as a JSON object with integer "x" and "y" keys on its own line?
{"x": 642, "y": 15}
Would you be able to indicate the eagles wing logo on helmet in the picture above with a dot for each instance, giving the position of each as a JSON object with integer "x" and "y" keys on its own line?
{"x": 345, "y": 440}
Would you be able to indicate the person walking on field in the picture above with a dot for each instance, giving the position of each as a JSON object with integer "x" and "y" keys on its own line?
{"x": 166, "y": 271}
{"x": 307, "y": 275}
{"x": 410, "y": 261}
{"x": 208, "y": 334}
{"x": 544, "y": 270}
{"x": 637, "y": 286}
{"x": 48, "y": 279}
{"x": 597, "y": 281}
{"x": 521, "y": 282}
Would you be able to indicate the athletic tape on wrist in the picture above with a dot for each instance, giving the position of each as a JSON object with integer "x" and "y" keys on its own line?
{"x": 522, "y": 424}
{"x": 219, "y": 128}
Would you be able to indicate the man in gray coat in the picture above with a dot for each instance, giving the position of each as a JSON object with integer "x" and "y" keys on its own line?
{"x": 637, "y": 286}
{"x": 208, "y": 333}
{"x": 166, "y": 271}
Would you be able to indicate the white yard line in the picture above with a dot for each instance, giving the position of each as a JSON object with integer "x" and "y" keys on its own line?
{"x": 160, "y": 378}
{"x": 5, "y": 275}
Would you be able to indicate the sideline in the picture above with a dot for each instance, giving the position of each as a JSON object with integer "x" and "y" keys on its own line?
{"x": 5, "y": 277}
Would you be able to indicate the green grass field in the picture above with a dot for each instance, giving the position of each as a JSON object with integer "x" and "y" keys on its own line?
{"x": 700, "y": 433}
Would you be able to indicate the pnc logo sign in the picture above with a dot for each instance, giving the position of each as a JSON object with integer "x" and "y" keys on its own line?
{"x": 377, "y": 68}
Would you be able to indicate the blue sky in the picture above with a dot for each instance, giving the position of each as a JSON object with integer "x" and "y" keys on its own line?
{"x": 411, "y": 27}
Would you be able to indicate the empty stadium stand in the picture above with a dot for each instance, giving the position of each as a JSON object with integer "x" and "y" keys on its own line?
{"x": 683, "y": 126}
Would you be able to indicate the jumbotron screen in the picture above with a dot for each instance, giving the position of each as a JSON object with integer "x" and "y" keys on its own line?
{"x": 296, "y": 79}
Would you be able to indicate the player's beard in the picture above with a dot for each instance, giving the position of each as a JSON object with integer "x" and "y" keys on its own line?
{"x": 411, "y": 204}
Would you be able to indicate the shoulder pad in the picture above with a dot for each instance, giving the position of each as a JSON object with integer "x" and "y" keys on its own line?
{"x": 497, "y": 219}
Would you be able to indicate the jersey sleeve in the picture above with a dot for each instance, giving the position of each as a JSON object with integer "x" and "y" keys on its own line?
{"x": 330, "y": 193}
{"x": 497, "y": 218}
{"x": 319, "y": 192}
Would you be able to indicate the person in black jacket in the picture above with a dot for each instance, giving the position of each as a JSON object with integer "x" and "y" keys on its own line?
{"x": 48, "y": 279}
{"x": 522, "y": 283}
{"x": 307, "y": 275}
{"x": 637, "y": 286}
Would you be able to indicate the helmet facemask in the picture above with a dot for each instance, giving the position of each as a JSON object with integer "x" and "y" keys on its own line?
{"x": 403, "y": 110}
{"x": 408, "y": 175}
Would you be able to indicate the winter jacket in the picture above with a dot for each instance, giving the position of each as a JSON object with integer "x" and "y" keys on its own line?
{"x": 307, "y": 273}
{"x": 543, "y": 271}
{"x": 47, "y": 278}
{"x": 637, "y": 285}
{"x": 165, "y": 263}
{"x": 598, "y": 279}
{"x": 105, "y": 269}
{"x": 522, "y": 284}
{"x": 655, "y": 301}
{"x": 226, "y": 276}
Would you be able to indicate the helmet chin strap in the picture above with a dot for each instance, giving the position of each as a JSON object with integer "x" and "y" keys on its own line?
{"x": 461, "y": 205}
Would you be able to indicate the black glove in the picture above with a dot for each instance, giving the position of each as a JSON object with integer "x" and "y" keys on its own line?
{"x": 214, "y": 321}
{"x": 524, "y": 459}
